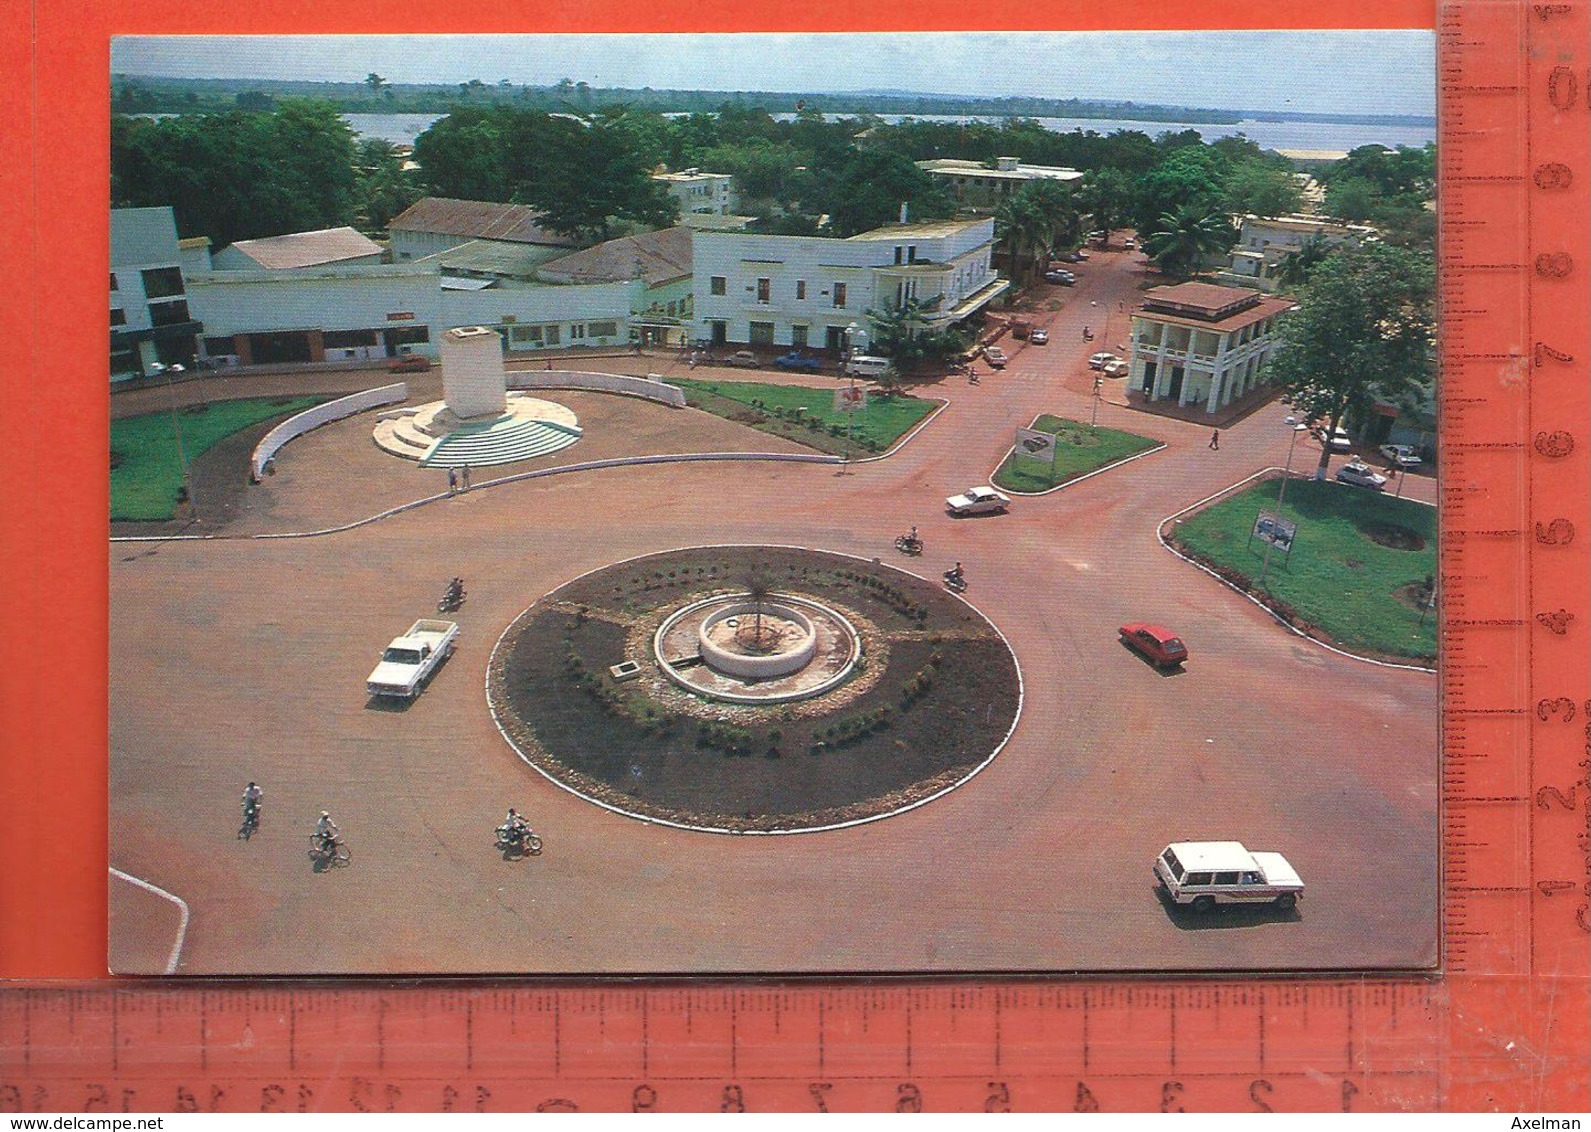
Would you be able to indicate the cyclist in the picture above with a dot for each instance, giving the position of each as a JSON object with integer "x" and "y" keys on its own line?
{"x": 327, "y": 832}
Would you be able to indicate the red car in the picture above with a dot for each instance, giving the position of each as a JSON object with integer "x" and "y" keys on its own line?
{"x": 410, "y": 363}
{"x": 1157, "y": 643}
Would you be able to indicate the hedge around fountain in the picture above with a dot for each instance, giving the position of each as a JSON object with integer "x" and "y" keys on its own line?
{"x": 936, "y": 694}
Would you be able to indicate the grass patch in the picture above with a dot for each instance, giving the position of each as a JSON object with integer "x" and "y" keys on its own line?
{"x": 1340, "y": 578}
{"x": 806, "y": 415}
{"x": 146, "y": 475}
{"x": 1080, "y": 450}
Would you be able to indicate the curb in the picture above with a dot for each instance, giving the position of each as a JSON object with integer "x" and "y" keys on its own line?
{"x": 1021, "y": 700}
{"x": 1160, "y": 447}
{"x": 182, "y": 906}
{"x": 1160, "y": 529}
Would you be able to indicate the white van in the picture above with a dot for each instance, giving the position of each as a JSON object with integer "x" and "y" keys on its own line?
{"x": 867, "y": 365}
{"x": 1207, "y": 873}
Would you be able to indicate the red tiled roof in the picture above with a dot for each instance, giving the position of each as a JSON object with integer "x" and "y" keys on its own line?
{"x": 656, "y": 257}
{"x": 308, "y": 249}
{"x": 479, "y": 220}
{"x": 1264, "y": 307}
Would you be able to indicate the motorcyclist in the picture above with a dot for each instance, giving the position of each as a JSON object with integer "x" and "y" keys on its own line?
{"x": 955, "y": 574}
{"x": 515, "y": 828}
{"x": 252, "y": 795}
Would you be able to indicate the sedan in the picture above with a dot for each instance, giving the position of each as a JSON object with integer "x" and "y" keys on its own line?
{"x": 410, "y": 363}
{"x": 1039, "y": 336}
{"x": 1117, "y": 368}
{"x": 743, "y": 358}
{"x": 1064, "y": 278}
{"x": 978, "y": 501}
{"x": 1360, "y": 474}
{"x": 1400, "y": 456}
{"x": 995, "y": 356}
{"x": 1102, "y": 359}
{"x": 795, "y": 359}
{"x": 1157, "y": 644}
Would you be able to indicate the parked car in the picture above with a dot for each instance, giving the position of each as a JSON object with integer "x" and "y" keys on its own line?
{"x": 1206, "y": 873}
{"x": 1400, "y": 456}
{"x": 1039, "y": 336}
{"x": 743, "y": 358}
{"x": 1130, "y": 244}
{"x": 995, "y": 357}
{"x": 1156, "y": 643}
{"x": 1337, "y": 440}
{"x": 795, "y": 359}
{"x": 1064, "y": 278}
{"x": 1117, "y": 368}
{"x": 410, "y": 363}
{"x": 1102, "y": 359}
{"x": 1360, "y": 474}
{"x": 978, "y": 501}
{"x": 1071, "y": 257}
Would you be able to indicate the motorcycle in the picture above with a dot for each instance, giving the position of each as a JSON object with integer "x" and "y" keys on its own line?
{"x": 909, "y": 544}
{"x": 519, "y": 840}
{"x": 251, "y": 819}
{"x": 452, "y": 597}
{"x": 955, "y": 582}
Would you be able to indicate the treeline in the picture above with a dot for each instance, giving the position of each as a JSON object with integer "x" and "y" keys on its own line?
{"x": 154, "y": 95}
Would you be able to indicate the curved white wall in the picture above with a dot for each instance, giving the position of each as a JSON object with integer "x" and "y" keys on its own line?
{"x": 602, "y": 382}
{"x": 313, "y": 418}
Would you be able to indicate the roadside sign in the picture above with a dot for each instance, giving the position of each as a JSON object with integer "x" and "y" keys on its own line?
{"x": 1038, "y": 445}
{"x": 850, "y": 399}
{"x": 1272, "y": 528}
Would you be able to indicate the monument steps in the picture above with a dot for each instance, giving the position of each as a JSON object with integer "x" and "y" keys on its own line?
{"x": 480, "y": 448}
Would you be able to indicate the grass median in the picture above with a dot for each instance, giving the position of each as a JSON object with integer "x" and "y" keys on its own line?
{"x": 806, "y": 414}
{"x": 1358, "y": 570}
{"x": 145, "y": 469}
{"x": 1078, "y": 451}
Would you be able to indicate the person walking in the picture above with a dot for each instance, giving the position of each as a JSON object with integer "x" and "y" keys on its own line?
{"x": 1215, "y": 440}
{"x": 464, "y": 477}
{"x": 452, "y": 480}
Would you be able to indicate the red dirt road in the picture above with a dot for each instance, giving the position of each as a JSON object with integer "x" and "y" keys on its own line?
{"x": 240, "y": 659}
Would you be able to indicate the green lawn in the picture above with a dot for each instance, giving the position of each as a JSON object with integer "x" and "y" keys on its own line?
{"x": 1358, "y": 591}
{"x": 146, "y": 474}
{"x": 805, "y": 414}
{"x": 1080, "y": 451}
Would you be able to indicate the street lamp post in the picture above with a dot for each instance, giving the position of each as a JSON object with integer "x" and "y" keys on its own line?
{"x": 1281, "y": 495}
{"x": 182, "y": 458}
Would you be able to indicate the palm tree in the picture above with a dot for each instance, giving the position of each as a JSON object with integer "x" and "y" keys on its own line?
{"x": 1183, "y": 238}
{"x": 1020, "y": 226}
{"x": 1296, "y": 268}
{"x": 759, "y": 586}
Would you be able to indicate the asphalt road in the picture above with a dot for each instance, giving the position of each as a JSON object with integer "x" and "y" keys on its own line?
{"x": 238, "y": 659}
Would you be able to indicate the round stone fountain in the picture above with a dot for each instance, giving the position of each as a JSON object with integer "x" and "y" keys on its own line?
{"x": 731, "y": 647}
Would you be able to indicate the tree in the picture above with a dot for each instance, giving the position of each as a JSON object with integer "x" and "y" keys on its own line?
{"x": 1020, "y": 226}
{"x": 1190, "y": 177}
{"x": 591, "y": 176}
{"x": 1107, "y": 195}
{"x": 1363, "y": 332}
{"x": 1351, "y": 198}
{"x": 1262, "y": 189}
{"x": 1300, "y": 264}
{"x": 384, "y": 188}
{"x": 870, "y": 189}
{"x": 376, "y": 83}
{"x": 1182, "y": 239}
{"x": 898, "y": 329}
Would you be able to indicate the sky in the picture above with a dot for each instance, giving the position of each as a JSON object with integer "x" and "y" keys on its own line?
{"x": 1350, "y": 72}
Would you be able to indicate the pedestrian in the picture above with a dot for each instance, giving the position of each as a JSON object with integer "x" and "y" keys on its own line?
{"x": 1215, "y": 440}
{"x": 464, "y": 477}
{"x": 549, "y": 363}
{"x": 452, "y": 480}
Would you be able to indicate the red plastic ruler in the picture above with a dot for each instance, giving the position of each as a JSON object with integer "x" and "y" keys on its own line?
{"x": 1505, "y": 1026}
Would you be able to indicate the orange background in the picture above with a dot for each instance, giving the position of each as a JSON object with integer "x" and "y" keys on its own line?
{"x": 54, "y": 178}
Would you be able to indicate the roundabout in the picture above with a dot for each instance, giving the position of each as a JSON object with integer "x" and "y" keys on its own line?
{"x": 754, "y": 689}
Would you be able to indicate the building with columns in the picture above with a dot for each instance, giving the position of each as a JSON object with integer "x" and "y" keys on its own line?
{"x": 1202, "y": 345}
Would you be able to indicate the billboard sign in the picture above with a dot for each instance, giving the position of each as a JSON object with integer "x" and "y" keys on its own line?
{"x": 1272, "y": 528}
{"x": 1038, "y": 445}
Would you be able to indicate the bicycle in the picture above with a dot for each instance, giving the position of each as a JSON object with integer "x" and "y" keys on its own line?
{"x": 327, "y": 852}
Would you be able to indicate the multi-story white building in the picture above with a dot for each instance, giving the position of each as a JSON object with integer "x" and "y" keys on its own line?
{"x": 805, "y": 291}
{"x": 699, "y": 193}
{"x": 981, "y": 187}
{"x": 1264, "y": 243}
{"x": 1199, "y": 344}
{"x": 150, "y": 320}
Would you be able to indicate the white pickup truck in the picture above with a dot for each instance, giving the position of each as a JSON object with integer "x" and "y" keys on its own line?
{"x": 411, "y": 660}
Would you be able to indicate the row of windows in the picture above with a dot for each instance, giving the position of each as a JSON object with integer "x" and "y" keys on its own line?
{"x": 159, "y": 282}
{"x": 719, "y": 285}
{"x": 551, "y": 334}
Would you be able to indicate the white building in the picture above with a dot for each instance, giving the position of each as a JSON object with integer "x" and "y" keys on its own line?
{"x": 981, "y": 187}
{"x": 342, "y": 313}
{"x": 1199, "y": 344}
{"x": 1264, "y": 243}
{"x": 804, "y": 291}
{"x": 698, "y": 193}
{"x": 435, "y": 224}
{"x": 150, "y": 320}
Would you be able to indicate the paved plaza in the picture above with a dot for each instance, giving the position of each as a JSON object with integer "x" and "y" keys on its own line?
{"x": 241, "y": 658}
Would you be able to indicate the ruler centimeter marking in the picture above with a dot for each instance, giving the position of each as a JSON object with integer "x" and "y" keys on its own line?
{"x": 1515, "y": 580}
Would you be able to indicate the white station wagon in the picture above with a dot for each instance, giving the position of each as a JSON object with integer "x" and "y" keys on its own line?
{"x": 978, "y": 501}
{"x": 1206, "y": 873}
